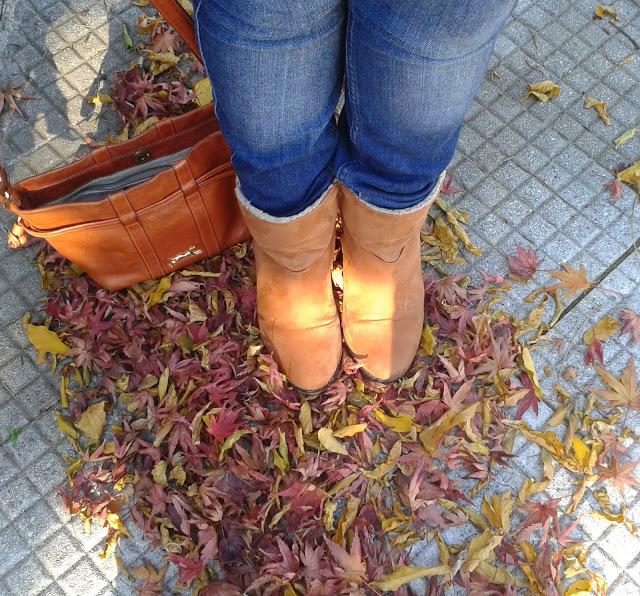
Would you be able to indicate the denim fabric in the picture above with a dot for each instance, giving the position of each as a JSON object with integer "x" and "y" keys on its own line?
{"x": 410, "y": 68}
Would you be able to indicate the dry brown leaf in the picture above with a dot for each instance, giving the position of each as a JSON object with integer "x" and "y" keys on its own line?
{"x": 543, "y": 91}
{"x": 622, "y": 392}
{"x": 599, "y": 106}
{"x": 571, "y": 281}
{"x": 602, "y": 330}
{"x": 625, "y": 137}
{"x": 630, "y": 175}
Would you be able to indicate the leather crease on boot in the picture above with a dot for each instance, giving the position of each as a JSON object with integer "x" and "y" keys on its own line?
{"x": 383, "y": 293}
{"x": 297, "y": 313}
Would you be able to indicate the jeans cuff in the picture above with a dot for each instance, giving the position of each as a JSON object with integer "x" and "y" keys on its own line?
{"x": 264, "y": 216}
{"x": 426, "y": 202}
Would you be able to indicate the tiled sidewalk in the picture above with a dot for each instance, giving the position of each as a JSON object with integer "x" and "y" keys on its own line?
{"x": 532, "y": 175}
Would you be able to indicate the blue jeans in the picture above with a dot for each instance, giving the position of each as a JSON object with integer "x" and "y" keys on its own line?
{"x": 410, "y": 69}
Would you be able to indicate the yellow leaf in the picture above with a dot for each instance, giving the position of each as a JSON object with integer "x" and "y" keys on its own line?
{"x": 598, "y": 106}
{"x": 101, "y": 99}
{"x": 65, "y": 426}
{"x": 602, "y": 330}
{"x": 162, "y": 61}
{"x": 481, "y": 549}
{"x": 329, "y": 442}
{"x": 156, "y": 296}
{"x": 349, "y": 431}
{"x": 625, "y": 137}
{"x": 305, "y": 418}
{"x": 401, "y": 424}
{"x": 630, "y": 175}
{"x": 385, "y": 467}
{"x": 231, "y": 441}
{"x": 145, "y": 125}
{"x": 581, "y": 452}
{"x": 178, "y": 474}
{"x": 497, "y": 575}
{"x": 582, "y": 587}
{"x": 403, "y": 574}
{"x": 91, "y": 422}
{"x": 498, "y": 510}
{"x": 605, "y": 11}
{"x": 45, "y": 340}
{"x": 428, "y": 341}
{"x": 163, "y": 383}
{"x": 544, "y": 90}
{"x": 159, "y": 472}
{"x": 530, "y": 368}
{"x": 202, "y": 89}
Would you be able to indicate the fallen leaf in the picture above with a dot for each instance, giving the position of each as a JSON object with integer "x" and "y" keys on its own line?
{"x": 202, "y": 89}
{"x": 630, "y": 323}
{"x": 572, "y": 281}
{"x": 401, "y": 424}
{"x": 403, "y": 574}
{"x": 623, "y": 392}
{"x": 10, "y": 96}
{"x": 349, "y": 431}
{"x": 630, "y": 175}
{"x": 625, "y": 137}
{"x": 605, "y": 11}
{"x": 524, "y": 264}
{"x": 543, "y": 91}
{"x": 602, "y": 330}
{"x": 329, "y": 442}
{"x": 92, "y": 420}
{"x": 45, "y": 340}
{"x": 598, "y": 106}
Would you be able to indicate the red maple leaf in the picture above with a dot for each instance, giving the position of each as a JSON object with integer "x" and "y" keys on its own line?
{"x": 594, "y": 351}
{"x": 530, "y": 400}
{"x": 447, "y": 187}
{"x": 539, "y": 514}
{"x": 524, "y": 264}
{"x": 615, "y": 189}
{"x": 224, "y": 424}
{"x": 630, "y": 320}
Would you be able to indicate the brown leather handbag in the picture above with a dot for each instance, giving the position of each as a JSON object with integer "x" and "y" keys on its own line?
{"x": 139, "y": 209}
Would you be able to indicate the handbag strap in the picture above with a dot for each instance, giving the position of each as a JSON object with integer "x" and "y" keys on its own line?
{"x": 181, "y": 21}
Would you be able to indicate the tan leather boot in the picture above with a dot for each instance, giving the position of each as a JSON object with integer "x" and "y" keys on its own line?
{"x": 297, "y": 313}
{"x": 383, "y": 299}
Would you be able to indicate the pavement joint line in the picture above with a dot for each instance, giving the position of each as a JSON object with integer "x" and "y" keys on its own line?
{"x": 610, "y": 269}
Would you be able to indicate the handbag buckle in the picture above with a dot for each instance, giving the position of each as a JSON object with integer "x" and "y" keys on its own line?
{"x": 141, "y": 156}
{"x": 192, "y": 251}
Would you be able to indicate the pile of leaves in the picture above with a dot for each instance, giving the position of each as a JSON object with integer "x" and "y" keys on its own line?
{"x": 252, "y": 487}
{"x": 182, "y": 422}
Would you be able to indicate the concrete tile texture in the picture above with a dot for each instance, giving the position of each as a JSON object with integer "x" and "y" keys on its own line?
{"x": 532, "y": 174}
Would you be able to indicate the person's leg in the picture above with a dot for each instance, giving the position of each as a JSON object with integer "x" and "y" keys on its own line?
{"x": 412, "y": 69}
{"x": 276, "y": 68}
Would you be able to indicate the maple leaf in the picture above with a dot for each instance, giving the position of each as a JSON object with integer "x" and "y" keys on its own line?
{"x": 620, "y": 476}
{"x": 524, "y": 264}
{"x": 623, "y": 392}
{"x": 615, "y": 189}
{"x": 594, "y": 351}
{"x": 351, "y": 564}
{"x": 538, "y": 514}
{"x": 447, "y": 187}
{"x": 10, "y": 96}
{"x": 571, "y": 281}
{"x": 224, "y": 424}
{"x": 530, "y": 400}
{"x": 630, "y": 320}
